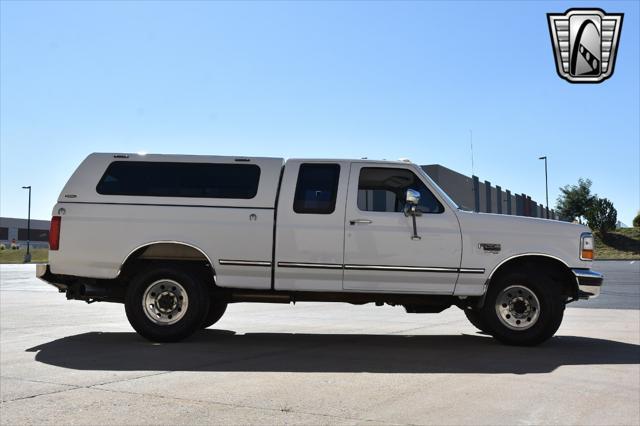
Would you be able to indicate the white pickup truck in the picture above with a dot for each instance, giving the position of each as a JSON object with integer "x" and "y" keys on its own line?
{"x": 176, "y": 238}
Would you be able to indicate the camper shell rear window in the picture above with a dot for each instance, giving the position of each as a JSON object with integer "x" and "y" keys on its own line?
{"x": 174, "y": 179}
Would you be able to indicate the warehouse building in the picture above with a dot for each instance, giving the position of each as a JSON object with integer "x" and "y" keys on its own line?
{"x": 16, "y": 230}
{"x": 472, "y": 194}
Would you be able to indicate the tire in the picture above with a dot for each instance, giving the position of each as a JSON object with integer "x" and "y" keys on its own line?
{"x": 216, "y": 310}
{"x": 166, "y": 304}
{"x": 523, "y": 308}
{"x": 475, "y": 318}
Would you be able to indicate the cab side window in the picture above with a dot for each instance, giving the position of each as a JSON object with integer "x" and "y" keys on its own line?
{"x": 382, "y": 189}
{"x": 316, "y": 189}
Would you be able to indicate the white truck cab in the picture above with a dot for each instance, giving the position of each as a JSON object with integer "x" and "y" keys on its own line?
{"x": 177, "y": 237}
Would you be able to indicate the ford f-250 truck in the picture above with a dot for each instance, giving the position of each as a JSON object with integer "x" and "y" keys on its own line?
{"x": 176, "y": 238}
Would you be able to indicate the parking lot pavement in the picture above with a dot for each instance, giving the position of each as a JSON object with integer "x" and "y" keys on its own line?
{"x": 71, "y": 363}
{"x": 621, "y": 288}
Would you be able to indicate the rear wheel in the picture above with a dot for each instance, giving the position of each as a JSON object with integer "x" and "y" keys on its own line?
{"x": 523, "y": 308}
{"x": 166, "y": 304}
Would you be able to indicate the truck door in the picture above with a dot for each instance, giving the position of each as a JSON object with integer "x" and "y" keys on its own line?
{"x": 380, "y": 253}
{"x": 309, "y": 245}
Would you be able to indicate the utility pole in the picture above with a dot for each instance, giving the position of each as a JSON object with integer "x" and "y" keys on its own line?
{"x": 546, "y": 182}
{"x": 27, "y": 257}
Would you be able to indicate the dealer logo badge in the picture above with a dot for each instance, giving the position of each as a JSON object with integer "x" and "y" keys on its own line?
{"x": 585, "y": 43}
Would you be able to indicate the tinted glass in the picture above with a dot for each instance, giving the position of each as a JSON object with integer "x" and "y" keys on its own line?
{"x": 4, "y": 233}
{"x": 316, "y": 188}
{"x": 383, "y": 190}
{"x": 162, "y": 179}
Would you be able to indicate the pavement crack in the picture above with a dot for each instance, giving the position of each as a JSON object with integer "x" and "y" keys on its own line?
{"x": 251, "y": 407}
{"x": 37, "y": 381}
{"x": 37, "y": 395}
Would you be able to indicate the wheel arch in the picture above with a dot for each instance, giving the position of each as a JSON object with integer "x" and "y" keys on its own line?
{"x": 558, "y": 269}
{"x": 167, "y": 250}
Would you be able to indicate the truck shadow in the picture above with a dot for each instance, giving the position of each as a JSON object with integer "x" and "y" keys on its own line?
{"x": 222, "y": 350}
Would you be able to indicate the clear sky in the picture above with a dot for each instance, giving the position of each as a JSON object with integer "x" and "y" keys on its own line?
{"x": 297, "y": 79}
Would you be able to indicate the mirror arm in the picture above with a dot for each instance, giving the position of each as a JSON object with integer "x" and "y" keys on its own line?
{"x": 414, "y": 213}
{"x": 412, "y": 199}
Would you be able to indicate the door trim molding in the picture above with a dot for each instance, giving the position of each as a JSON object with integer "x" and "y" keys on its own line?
{"x": 472, "y": 270}
{"x": 244, "y": 262}
{"x": 414, "y": 269}
{"x": 399, "y": 268}
{"x": 311, "y": 265}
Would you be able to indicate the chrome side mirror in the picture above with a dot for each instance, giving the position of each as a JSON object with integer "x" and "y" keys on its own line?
{"x": 412, "y": 199}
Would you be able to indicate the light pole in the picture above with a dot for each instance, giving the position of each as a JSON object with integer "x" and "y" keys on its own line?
{"x": 27, "y": 257}
{"x": 546, "y": 182}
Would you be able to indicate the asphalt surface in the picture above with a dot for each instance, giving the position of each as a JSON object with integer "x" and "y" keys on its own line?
{"x": 621, "y": 288}
{"x": 67, "y": 362}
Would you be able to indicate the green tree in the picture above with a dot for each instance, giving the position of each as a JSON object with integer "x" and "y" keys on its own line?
{"x": 575, "y": 200}
{"x": 636, "y": 220}
{"x": 602, "y": 216}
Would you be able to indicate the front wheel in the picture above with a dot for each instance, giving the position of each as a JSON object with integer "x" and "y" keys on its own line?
{"x": 166, "y": 304}
{"x": 216, "y": 310}
{"x": 475, "y": 318}
{"x": 523, "y": 308}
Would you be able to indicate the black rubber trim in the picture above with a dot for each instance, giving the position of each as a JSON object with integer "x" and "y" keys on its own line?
{"x": 390, "y": 268}
{"x": 393, "y": 268}
{"x": 590, "y": 281}
{"x": 310, "y": 265}
{"x": 238, "y": 262}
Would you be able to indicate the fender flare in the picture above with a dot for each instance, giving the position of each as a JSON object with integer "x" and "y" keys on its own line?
{"x": 532, "y": 254}
{"x": 150, "y": 243}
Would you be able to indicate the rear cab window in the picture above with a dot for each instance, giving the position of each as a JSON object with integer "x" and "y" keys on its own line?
{"x": 176, "y": 179}
{"x": 316, "y": 188}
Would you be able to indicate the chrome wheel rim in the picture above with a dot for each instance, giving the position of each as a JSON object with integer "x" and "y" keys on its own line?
{"x": 517, "y": 307}
{"x": 165, "y": 302}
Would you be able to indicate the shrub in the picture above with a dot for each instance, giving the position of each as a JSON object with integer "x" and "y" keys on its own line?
{"x": 602, "y": 216}
{"x": 636, "y": 221}
{"x": 2, "y": 247}
{"x": 575, "y": 200}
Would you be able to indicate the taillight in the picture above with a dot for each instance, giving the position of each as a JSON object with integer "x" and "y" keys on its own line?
{"x": 54, "y": 233}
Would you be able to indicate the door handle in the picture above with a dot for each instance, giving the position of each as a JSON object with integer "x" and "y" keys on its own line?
{"x": 359, "y": 221}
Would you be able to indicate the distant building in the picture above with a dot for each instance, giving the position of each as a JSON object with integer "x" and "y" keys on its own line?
{"x": 472, "y": 194}
{"x": 16, "y": 229}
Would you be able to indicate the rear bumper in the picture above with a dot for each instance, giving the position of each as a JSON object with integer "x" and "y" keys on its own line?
{"x": 83, "y": 288}
{"x": 44, "y": 273}
{"x": 589, "y": 283}
{"x": 41, "y": 269}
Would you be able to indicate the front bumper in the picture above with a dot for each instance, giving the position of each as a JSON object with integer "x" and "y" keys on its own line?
{"x": 589, "y": 283}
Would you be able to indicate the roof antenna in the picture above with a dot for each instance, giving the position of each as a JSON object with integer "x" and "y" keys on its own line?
{"x": 471, "y": 142}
